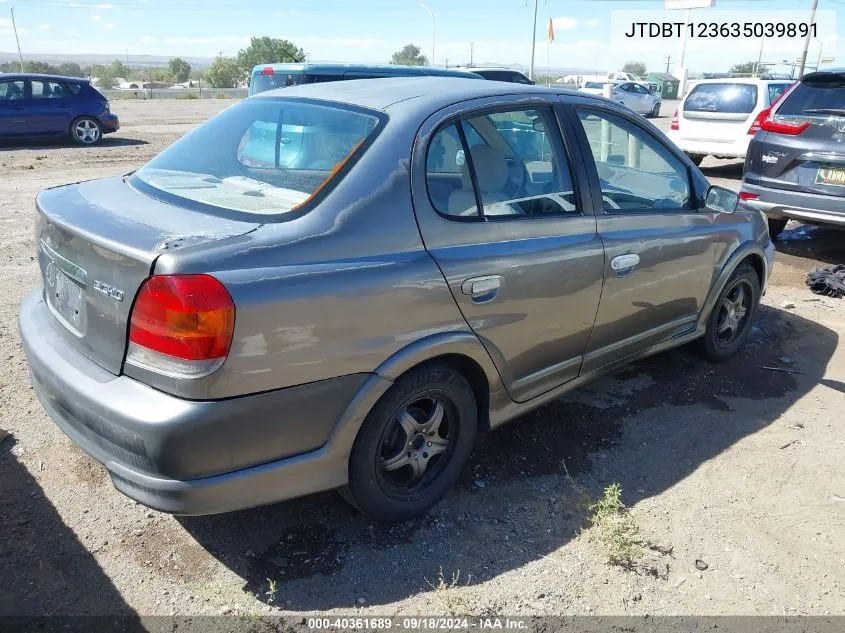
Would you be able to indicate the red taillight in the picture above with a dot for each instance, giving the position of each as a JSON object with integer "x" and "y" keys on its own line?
{"x": 267, "y": 70}
{"x": 758, "y": 121}
{"x": 747, "y": 195}
{"x": 182, "y": 324}
{"x": 675, "y": 125}
{"x": 783, "y": 127}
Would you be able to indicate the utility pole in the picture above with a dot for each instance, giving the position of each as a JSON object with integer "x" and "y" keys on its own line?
{"x": 759, "y": 57}
{"x": 17, "y": 41}
{"x": 668, "y": 61}
{"x": 471, "y": 53}
{"x": 533, "y": 42}
{"x": 807, "y": 39}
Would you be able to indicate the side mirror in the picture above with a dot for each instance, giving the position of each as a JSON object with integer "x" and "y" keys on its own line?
{"x": 720, "y": 200}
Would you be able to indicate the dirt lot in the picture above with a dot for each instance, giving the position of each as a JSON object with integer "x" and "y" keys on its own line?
{"x": 737, "y": 466}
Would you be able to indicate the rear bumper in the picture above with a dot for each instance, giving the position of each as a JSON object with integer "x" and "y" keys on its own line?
{"x": 735, "y": 149}
{"x": 109, "y": 123}
{"x": 805, "y": 207}
{"x": 156, "y": 447}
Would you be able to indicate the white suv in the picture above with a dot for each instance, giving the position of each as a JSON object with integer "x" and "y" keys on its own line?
{"x": 719, "y": 117}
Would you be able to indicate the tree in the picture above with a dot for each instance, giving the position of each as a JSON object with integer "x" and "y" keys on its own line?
{"x": 745, "y": 68}
{"x": 70, "y": 69}
{"x": 179, "y": 69}
{"x": 635, "y": 68}
{"x": 410, "y": 55}
{"x": 42, "y": 68}
{"x": 224, "y": 72}
{"x": 267, "y": 50}
{"x": 118, "y": 70}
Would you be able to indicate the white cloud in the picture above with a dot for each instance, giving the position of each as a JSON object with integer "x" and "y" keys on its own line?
{"x": 44, "y": 27}
{"x": 105, "y": 6}
{"x": 223, "y": 39}
{"x": 594, "y": 22}
{"x": 109, "y": 25}
{"x": 96, "y": 18}
{"x": 148, "y": 39}
{"x": 564, "y": 23}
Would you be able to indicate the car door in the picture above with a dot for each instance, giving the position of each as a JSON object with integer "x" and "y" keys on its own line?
{"x": 511, "y": 228}
{"x": 660, "y": 241}
{"x": 642, "y": 99}
{"x": 49, "y": 107}
{"x": 624, "y": 95}
{"x": 12, "y": 107}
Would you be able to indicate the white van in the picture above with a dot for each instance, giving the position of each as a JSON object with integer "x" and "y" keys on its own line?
{"x": 719, "y": 117}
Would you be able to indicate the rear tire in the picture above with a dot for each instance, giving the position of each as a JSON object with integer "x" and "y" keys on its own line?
{"x": 696, "y": 159}
{"x": 776, "y": 227}
{"x": 730, "y": 321}
{"x": 413, "y": 445}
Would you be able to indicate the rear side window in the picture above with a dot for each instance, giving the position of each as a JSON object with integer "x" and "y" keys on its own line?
{"x": 262, "y": 156}
{"x": 49, "y": 90}
{"x": 513, "y": 163}
{"x": 775, "y": 91}
{"x": 820, "y": 97}
{"x": 726, "y": 98}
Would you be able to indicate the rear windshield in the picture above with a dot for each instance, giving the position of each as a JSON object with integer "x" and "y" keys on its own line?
{"x": 262, "y": 156}
{"x": 820, "y": 97}
{"x": 594, "y": 84}
{"x": 262, "y": 82}
{"x": 728, "y": 98}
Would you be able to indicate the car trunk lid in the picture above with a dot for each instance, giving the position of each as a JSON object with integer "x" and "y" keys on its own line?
{"x": 717, "y": 112}
{"x": 97, "y": 242}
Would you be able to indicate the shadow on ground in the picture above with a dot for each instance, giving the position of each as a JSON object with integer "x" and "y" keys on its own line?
{"x": 809, "y": 246}
{"x": 44, "y": 569}
{"x": 514, "y": 503}
{"x": 35, "y": 144}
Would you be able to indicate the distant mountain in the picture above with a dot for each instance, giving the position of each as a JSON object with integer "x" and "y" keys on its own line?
{"x": 146, "y": 61}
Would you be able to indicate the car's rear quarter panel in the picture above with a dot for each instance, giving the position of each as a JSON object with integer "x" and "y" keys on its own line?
{"x": 335, "y": 292}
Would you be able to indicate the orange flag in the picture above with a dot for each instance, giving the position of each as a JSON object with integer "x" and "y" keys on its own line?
{"x": 551, "y": 31}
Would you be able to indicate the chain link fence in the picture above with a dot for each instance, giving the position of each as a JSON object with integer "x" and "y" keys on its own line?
{"x": 180, "y": 93}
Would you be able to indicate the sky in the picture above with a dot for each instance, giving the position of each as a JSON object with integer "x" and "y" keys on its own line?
{"x": 588, "y": 33}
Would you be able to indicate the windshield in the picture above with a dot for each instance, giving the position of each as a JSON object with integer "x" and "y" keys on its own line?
{"x": 262, "y": 82}
{"x": 262, "y": 156}
{"x": 728, "y": 98}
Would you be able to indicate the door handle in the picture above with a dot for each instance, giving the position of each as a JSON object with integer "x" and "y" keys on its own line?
{"x": 624, "y": 264}
{"x": 482, "y": 289}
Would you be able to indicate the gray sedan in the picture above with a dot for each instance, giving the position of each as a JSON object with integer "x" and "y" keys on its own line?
{"x": 630, "y": 94}
{"x": 342, "y": 285}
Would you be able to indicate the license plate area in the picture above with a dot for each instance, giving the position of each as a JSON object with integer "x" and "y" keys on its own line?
{"x": 67, "y": 299}
{"x": 831, "y": 176}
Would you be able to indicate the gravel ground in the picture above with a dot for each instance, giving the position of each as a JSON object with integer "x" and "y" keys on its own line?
{"x": 736, "y": 466}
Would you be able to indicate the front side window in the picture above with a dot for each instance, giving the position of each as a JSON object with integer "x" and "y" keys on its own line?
{"x": 513, "y": 164}
{"x": 49, "y": 90}
{"x": 11, "y": 90}
{"x": 636, "y": 171}
{"x": 264, "y": 156}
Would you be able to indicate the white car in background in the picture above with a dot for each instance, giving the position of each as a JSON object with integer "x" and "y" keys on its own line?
{"x": 719, "y": 117}
{"x": 630, "y": 94}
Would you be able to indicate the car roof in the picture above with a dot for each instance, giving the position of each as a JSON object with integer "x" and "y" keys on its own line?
{"x": 59, "y": 78}
{"x": 740, "y": 80}
{"x": 430, "y": 93}
{"x": 386, "y": 69}
{"x": 496, "y": 68}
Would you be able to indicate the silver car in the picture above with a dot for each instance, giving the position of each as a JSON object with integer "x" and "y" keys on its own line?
{"x": 229, "y": 326}
{"x": 630, "y": 94}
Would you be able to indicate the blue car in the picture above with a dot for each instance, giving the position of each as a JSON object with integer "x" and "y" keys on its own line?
{"x": 49, "y": 105}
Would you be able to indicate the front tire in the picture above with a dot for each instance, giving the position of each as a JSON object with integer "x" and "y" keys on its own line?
{"x": 730, "y": 321}
{"x": 655, "y": 111}
{"x": 413, "y": 445}
{"x": 86, "y": 131}
{"x": 776, "y": 227}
